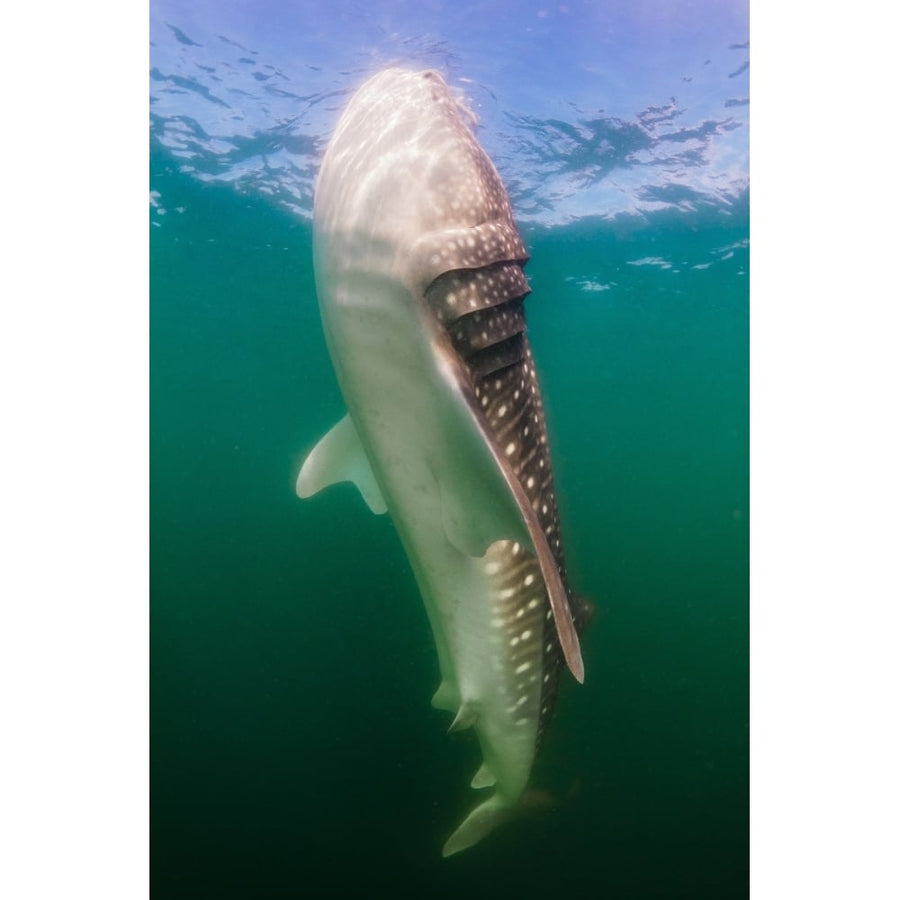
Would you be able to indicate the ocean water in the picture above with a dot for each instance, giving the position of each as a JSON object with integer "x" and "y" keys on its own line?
{"x": 294, "y": 749}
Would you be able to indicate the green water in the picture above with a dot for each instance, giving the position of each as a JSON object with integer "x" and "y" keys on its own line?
{"x": 294, "y": 749}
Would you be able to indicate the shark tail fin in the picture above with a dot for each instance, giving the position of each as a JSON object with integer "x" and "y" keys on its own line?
{"x": 477, "y": 825}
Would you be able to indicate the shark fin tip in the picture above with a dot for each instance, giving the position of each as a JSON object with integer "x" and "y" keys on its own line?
{"x": 574, "y": 660}
{"x": 465, "y": 718}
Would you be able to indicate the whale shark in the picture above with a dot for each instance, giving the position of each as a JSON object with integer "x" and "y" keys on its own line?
{"x": 419, "y": 271}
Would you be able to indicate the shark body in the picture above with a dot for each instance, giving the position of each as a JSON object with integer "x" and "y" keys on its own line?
{"x": 419, "y": 273}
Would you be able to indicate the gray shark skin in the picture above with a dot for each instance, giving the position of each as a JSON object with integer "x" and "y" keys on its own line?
{"x": 419, "y": 273}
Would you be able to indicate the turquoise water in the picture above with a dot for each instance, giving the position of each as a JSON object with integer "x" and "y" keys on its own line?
{"x": 294, "y": 748}
{"x": 292, "y": 666}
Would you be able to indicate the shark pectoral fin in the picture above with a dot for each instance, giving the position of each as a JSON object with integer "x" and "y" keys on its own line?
{"x": 477, "y": 825}
{"x": 482, "y": 500}
{"x": 340, "y": 456}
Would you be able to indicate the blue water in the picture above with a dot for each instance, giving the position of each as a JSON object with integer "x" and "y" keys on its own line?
{"x": 294, "y": 750}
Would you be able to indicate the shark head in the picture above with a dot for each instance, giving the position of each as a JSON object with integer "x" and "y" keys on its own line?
{"x": 419, "y": 271}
